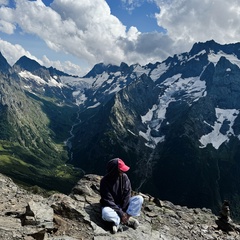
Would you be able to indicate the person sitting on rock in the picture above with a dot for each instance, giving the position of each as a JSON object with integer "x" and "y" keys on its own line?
{"x": 117, "y": 204}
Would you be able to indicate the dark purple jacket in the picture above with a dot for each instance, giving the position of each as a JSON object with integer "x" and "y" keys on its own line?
{"x": 115, "y": 189}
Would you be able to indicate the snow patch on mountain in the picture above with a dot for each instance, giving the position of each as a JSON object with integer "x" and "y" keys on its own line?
{"x": 79, "y": 97}
{"x": 216, "y": 137}
{"x": 95, "y": 105}
{"x": 214, "y": 58}
{"x": 100, "y": 79}
{"x": 28, "y": 75}
{"x": 105, "y": 78}
{"x": 51, "y": 82}
{"x": 139, "y": 70}
{"x": 158, "y": 71}
{"x": 148, "y": 116}
{"x": 77, "y": 82}
{"x": 80, "y": 84}
{"x": 176, "y": 89}
{"x": 151, "y": 141}
{"x": 196, "y": 56}
{"x": 188, "y": 89}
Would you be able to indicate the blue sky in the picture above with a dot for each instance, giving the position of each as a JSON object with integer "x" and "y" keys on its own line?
{"x": 74, "y": 35}
{"x": 142, "y": 16}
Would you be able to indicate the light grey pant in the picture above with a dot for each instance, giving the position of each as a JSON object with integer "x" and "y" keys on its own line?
{"x": 134, "y": 209}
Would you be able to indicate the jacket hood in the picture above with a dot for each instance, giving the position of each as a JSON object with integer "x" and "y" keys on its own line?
{"x": 112, "y": 168}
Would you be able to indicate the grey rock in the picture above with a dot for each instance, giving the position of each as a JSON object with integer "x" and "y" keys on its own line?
{"x": 78, "y": 216}
{"x": 42, "y": 215}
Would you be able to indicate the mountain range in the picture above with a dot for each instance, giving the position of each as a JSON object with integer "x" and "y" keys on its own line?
{"x": 176, "y": 123}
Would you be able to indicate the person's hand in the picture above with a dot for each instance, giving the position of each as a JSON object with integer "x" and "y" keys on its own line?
{"x": 124, "y": 218}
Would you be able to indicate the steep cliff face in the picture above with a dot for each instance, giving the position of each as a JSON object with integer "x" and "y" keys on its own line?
{"x": 4, "y": 66}
{"x": 112, "y": 128}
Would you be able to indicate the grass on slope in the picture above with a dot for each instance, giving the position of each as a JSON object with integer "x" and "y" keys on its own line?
{"x": 27, "y": 169}
{"x": 32, "y": 148}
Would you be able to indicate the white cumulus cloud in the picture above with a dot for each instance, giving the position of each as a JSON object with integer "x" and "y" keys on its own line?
{"x": 88, "y": 31}
{"x": 65, "y": 66}
{"x": 3, "y": 2}
{"x": 14, "y": 51}
{"x": 193, "y": 21}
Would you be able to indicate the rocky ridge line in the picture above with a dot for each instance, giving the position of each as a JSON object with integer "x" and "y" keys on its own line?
{"x": 28, "y": 216}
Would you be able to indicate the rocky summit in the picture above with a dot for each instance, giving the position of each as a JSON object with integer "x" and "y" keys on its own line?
{"x": 28, "y": 216}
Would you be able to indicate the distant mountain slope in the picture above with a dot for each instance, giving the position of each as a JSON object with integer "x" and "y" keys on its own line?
{"x": 42, "y": 80}
{"x": 33, "y": 128}
{"x": 4, "y": 66}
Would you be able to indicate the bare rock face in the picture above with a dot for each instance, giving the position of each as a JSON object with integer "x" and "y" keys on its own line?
{"x": 28, "y": 216}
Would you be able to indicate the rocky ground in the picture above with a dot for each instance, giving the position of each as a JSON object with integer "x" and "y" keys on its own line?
{"x": 28, "y": 216}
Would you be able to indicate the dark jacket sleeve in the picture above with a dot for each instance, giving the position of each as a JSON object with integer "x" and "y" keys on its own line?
{"x": 107, "y": 198}
{"x": 126, "y": 192}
